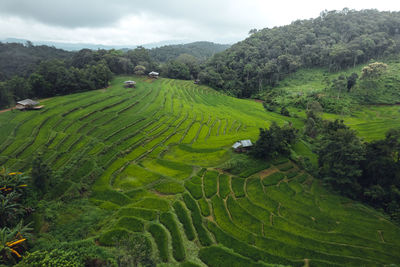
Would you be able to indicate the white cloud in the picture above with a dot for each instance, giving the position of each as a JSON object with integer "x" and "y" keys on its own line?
{"x": 128, "y": 22}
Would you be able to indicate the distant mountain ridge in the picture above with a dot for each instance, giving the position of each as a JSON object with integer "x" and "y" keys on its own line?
{"x": 79, "y": 46}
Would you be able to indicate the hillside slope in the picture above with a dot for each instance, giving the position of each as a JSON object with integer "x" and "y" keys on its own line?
{"x": 156, "y": 160}
{"x": 335, "y": 40}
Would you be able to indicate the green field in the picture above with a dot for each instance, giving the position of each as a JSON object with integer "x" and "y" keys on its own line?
{"x": 150, "y": 160}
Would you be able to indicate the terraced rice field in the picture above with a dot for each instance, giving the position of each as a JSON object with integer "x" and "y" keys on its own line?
{"x": 152, "y": 156}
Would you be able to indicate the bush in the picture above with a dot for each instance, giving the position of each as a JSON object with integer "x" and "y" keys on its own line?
{"x": 205, "y": 209}
{"x": 197, "y": 220}
{"x": 195, "y": 189}
{"x": 130, "y": 223}
{"x": 183, "y": 217}
{"x": 168, "y": 220}
{"x": 210, "y": 183}
{"x": 224, "y": 188}
{"x": 161, "y": 238}
{"x": 238, "y": 186}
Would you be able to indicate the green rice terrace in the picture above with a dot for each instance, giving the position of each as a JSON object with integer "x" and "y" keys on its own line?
{"x": 157, "y": 160}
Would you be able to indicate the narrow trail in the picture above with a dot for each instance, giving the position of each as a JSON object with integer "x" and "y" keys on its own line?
{"x": 306, "y": 263}
{"x": 381, "y": 236}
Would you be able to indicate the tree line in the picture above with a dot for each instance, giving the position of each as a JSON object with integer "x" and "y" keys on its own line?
{"x": 335, "y": 40}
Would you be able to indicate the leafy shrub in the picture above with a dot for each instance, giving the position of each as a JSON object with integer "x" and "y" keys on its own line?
{"x": 183, "y": 217}
{"x": 224, "y": 188}
{"x": 168, "y": 220}
{"x": 55, "y": 257}
{"x": 210, "y": 183}
{"x": 161, "y": 238}
{"x": 202, "y": 233}
{"x": 273, "y": 179}
{"x": 238, "y": 186}
{"x": 195, "y": 189}
{"x": 205, "y": 209}
{"x": 130, "y": 223}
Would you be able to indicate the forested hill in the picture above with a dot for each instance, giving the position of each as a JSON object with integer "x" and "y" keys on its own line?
{"x": 335, "y": 40}
{"x": 20, "y": 59}
{"x": 200, "y": 50}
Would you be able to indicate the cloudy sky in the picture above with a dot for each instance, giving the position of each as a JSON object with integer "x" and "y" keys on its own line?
{"x": 131, "y": 22}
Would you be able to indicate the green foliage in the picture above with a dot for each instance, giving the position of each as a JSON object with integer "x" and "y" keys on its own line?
{"x": 195, "y": 189}
{"x": 340, "y": 153}
{"x": 210, "y": 180}
{"x": 169, "y": 187}
{"x": 321, "y": 41}
{"x": 204, "y": 207}
{"x": 55, "y": 257}
{"x": 244, "y": 166}
{"x": 146, "y": 214}
{"x": 160, "y": 236}
{"x": 197, "y": 220}
{"x": 184, "y": 218}
{"x": 273, "y": 179}
{"x": 274, "y": 141}
{"x": 221, "y": 256}
{"x": 238, "y": 186}
{"x": 111, "y": 237}
{"x": 177, "y": 244}
{"x": 130, "y": 223}
{"x": 41, "y": 174}
{"x": 245, "y": 249}
{"x": 224, "y": 187}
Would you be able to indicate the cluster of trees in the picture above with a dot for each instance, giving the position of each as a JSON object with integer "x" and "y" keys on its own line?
{"x": 274, "y": 141}
{"x": 336, "y": 40}
{"x": 54, "y": 77}
{"x": 366, "y": 171}
{"x": 42, "y": 71}
{"x": 369, "y": 172}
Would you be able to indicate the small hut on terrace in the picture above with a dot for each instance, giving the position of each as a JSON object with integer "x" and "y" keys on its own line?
{"x": 27, "y": 104}
{"x": 130, "y": 84}
{"x": 154, "y": 74}
{"x": 242, "y": 146}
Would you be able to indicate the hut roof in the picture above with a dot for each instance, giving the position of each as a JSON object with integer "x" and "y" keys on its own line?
{"x": 242, "y": 143}
{"x": 130, "y": 82}
{"x": 154, "y": 73}
{"x": 27, "y": 102}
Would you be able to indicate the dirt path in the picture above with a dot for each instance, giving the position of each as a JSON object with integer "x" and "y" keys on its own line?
{"x": 381, "y": 235}
{"x": 7, "y": 109}
{"x": 306, "y": 263}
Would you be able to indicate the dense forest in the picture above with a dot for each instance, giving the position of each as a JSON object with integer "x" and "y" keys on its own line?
{"x": 335, "y": 40}
{"x": 42, "y": 71}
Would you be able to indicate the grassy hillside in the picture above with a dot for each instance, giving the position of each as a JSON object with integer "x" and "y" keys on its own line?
{"x": 156, "y": 160}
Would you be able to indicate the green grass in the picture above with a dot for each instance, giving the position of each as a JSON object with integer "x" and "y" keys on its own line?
{"x": 161, "y": 154}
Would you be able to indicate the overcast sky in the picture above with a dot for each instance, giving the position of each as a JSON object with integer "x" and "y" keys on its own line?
{"x": 132, "y": 22}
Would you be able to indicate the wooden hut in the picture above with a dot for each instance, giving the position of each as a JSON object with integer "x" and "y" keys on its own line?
{"x": 154, "y": 74}
{"x": 130, "y": 84}
{"x": 197, "y": 81}
{"x": 242, "y": 146}
{"x": 27, "y": 104}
